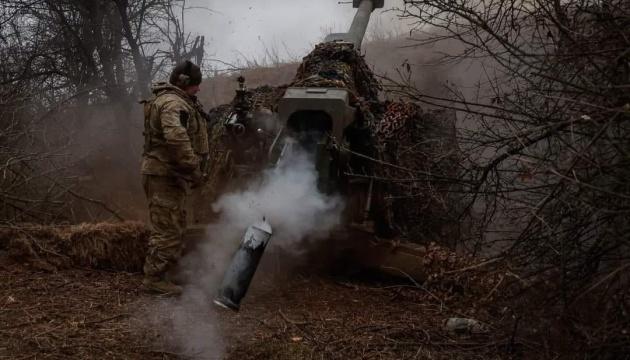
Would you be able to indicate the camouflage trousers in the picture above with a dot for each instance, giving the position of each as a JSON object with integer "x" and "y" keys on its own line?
{"x": 167, "y": 220}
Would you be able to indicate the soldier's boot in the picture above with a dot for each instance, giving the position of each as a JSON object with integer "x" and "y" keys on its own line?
{"x": 179, "y": 277}
{"x": 161, "y": 286}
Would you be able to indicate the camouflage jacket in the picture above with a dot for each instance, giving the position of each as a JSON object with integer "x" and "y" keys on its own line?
{"x": 175, "y": 134}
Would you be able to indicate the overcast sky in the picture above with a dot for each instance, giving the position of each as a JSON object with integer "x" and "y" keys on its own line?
{"x": 237, "y": 29}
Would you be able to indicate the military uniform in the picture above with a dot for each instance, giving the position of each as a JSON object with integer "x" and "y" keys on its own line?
{"x": 174, "y": 158}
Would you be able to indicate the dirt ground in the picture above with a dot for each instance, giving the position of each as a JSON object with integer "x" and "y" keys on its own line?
{"x": 91, "y": 314}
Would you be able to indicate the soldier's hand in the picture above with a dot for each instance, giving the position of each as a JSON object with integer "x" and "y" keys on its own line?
{"x": 197, "y": 179}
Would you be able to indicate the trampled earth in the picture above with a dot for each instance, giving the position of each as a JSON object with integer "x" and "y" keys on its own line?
{"x": 95, "y": 314}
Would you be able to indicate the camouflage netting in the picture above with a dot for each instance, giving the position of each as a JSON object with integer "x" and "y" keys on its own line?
{"x": 329, "y": 65}
{"x": 414, "y": 152}
{"x": 259, "y": 99}
{"x": 422, "y": 146}
{"x": 119, "y": 246}
{"x": 338, "y": 65}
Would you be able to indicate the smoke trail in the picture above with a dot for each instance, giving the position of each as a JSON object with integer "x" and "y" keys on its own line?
{"x": 288, "y": 197}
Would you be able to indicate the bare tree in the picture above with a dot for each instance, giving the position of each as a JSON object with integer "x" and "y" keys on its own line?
{"x": 172, "y": 26}
{"x": 547, "y": 138}
{"x": 64, "y": 63}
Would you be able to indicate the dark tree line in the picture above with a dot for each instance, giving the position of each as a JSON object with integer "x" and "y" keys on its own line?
{"x": 64, "y": 66}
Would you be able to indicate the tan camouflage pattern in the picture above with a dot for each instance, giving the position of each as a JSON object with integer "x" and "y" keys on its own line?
{"x": 176, "y": 149}
{"x": 173, "y": 146}
{"x": 167, "y": 222}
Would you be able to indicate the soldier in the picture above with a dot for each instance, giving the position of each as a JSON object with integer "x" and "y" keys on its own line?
{"x": 174, "y": 161}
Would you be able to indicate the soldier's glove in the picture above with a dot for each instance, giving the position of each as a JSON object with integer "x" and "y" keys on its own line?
{"x": 197, "y": 179}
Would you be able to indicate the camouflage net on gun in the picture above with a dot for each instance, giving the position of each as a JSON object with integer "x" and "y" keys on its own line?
{"x": 221, "y": 167}
{"x": 416, "y": 151}
{"x": 419, "y": 155}
{"x": 412, "y": 154}
{"x": 338, "y": 65}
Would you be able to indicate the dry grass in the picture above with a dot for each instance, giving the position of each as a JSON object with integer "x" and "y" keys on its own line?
{"x": 114, "y": 246}
{"x": 71, "y": 313}
{"x": 81, "y": 314}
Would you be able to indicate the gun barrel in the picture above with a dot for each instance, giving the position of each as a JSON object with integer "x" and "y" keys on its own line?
{"x": 360, "y": 23}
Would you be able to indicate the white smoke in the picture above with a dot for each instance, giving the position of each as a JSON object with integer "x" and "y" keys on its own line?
{"x": 288, "y": 197}
{"x": 187, "y": 326}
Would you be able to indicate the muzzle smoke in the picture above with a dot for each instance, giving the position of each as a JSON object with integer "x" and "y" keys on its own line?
{"x": 288, "y": 197}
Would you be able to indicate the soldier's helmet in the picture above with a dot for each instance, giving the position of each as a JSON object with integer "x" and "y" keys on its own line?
{"x": 185, "y": 74}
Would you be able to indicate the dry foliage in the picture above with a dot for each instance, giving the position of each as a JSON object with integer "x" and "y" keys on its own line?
{"x": 119, "y": 246}
{"x": 71, "y": 73}
{"x": 545, "y": 144}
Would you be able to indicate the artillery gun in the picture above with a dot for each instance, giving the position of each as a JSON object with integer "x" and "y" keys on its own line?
{"x": 332, "y": 110}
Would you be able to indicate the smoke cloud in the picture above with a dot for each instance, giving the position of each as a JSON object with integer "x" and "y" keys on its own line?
{"x": 288, "y": 197}
{"x": 187, "y": 326}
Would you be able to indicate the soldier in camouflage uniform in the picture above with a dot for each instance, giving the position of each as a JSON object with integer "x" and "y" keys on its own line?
{"x": 174, "y": 160}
